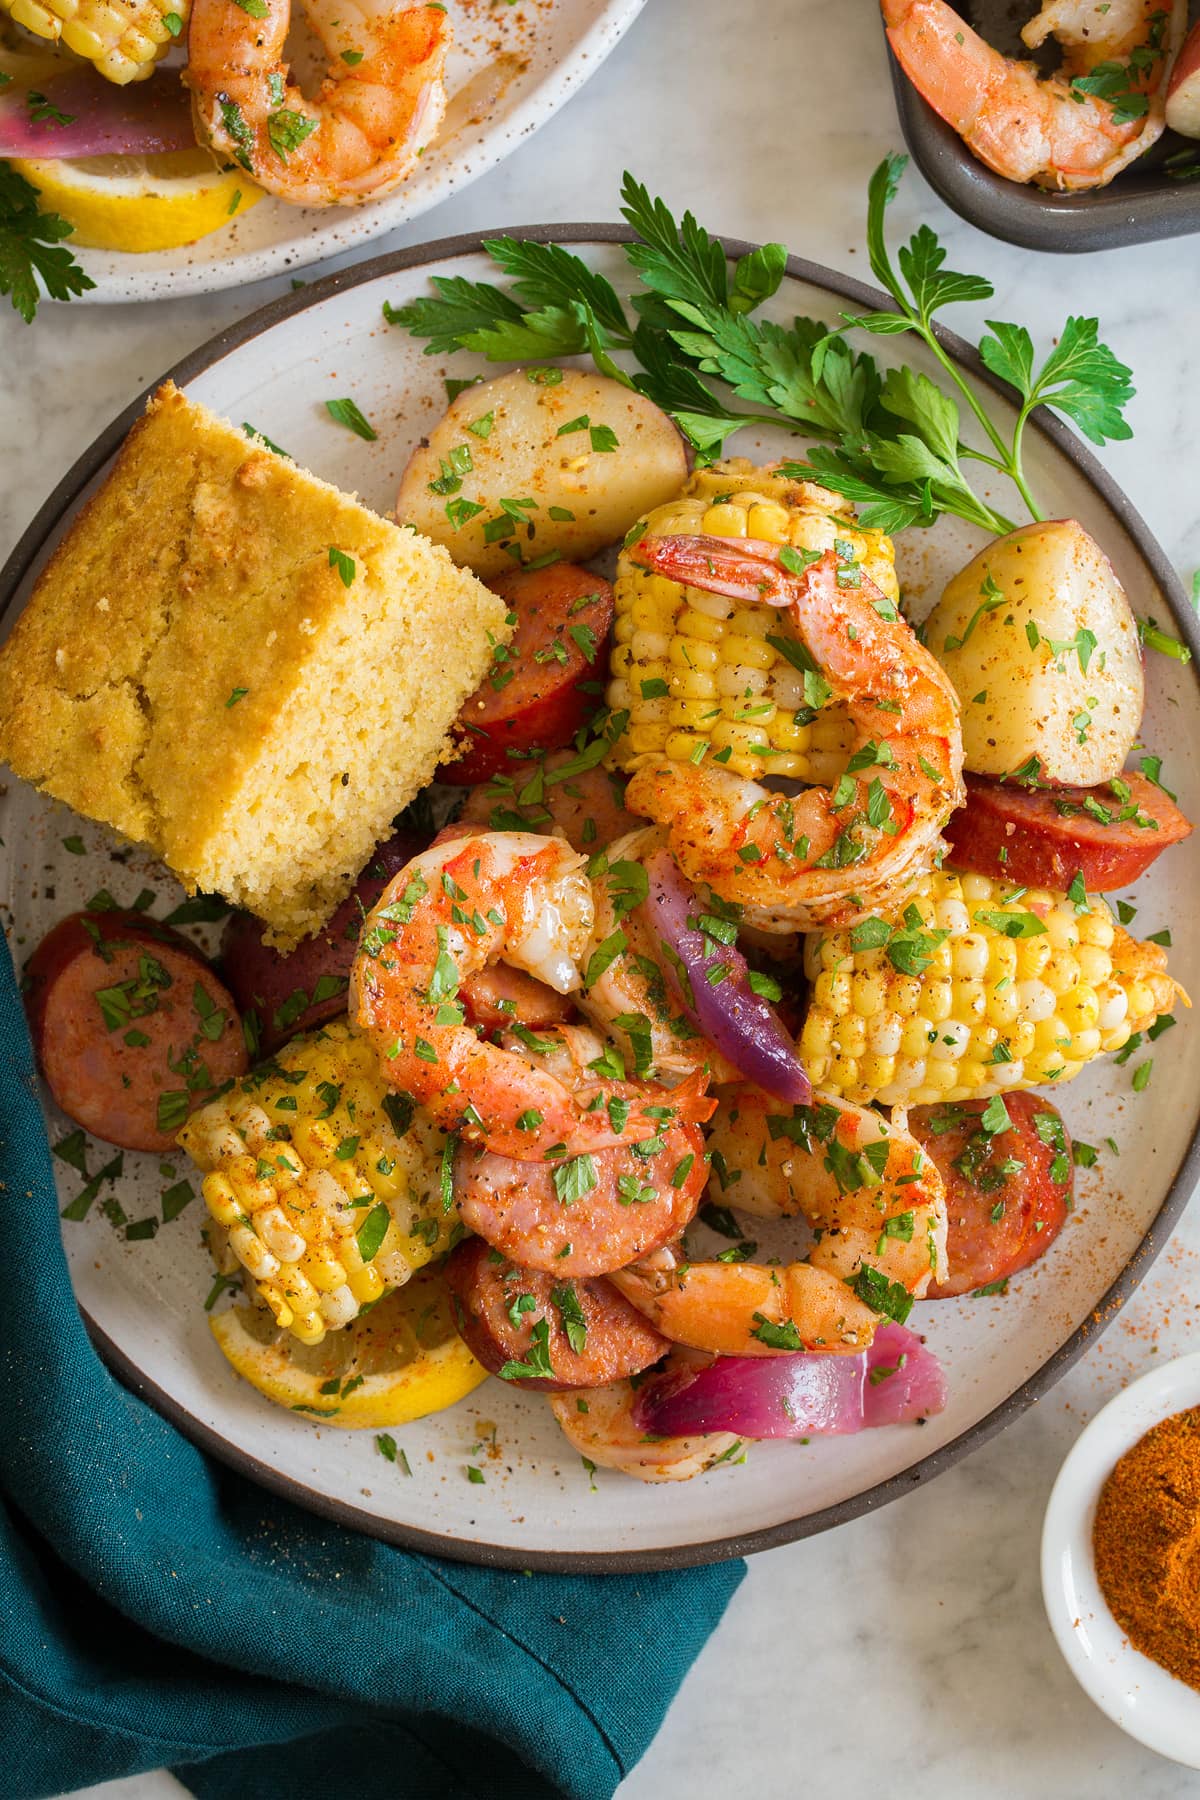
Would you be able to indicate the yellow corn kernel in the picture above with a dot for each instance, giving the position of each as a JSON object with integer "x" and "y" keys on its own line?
{"x": 293, "y": 1215}
{"x": 1048, "y": 1003}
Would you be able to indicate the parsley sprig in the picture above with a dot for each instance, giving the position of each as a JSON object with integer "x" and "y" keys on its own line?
{"x": 890, "y": 441}
{"x": 31, "y": 248}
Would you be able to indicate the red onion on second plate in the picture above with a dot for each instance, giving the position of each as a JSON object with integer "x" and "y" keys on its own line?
{"x": 806, "y": 1394}
{"x": 78, "y": 113}
{"x": 742, "y": 1025}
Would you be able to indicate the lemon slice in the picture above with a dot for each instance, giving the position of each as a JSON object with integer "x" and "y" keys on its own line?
{"x": 140, "y": 203}
{"x": 394, "y": 1363}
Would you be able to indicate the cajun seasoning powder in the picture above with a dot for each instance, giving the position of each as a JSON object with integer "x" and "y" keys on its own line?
{"x": 1147, "y": 1545}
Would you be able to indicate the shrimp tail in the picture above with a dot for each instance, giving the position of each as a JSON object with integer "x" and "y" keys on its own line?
{"x": 739, "y": 568}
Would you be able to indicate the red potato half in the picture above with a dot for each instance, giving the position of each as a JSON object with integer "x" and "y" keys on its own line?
{"x": 540, "y": 461}
{"x": 532, "y": 699}
{"x": 1007, "y": 1192}
{"x": 1037, "y": 635}
{"x": 1045, "y": 837}
{"x": 131, "y": 1027}
{"x": 1183, "y": 89}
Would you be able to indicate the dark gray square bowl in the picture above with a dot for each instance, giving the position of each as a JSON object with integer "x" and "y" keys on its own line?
{"x": 1144, "y": 202}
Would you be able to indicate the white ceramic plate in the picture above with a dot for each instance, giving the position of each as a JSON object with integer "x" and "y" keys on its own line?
{"x": 513, "y": 64}
{"x": 537, "y": 1506}
{"x": 1137, "y": 1694}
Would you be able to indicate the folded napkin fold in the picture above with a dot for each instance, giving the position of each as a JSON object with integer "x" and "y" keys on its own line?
{"x": 156, "y": 1608}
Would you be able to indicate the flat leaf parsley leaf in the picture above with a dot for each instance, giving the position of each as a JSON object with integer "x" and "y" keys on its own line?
{"x": 30, "y": 249}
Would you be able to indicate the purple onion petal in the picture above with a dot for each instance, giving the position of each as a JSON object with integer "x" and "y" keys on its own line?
{"x": 103, "y": 119}
{"x": 809, "y": 1393}
{"x": 742, "y": 1025}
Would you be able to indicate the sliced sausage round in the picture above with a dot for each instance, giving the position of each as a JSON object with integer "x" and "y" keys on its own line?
{"x": 130, "y": 1025}
{"x": 281, "y": 996}
{"x": 1008, "y": 1191}
{"x": 585, "y": 1215}
{"x": 1045, "y": 837}
{"x": 552, "y": 793}
{"x": 582, "y": 1333}
{"x": 532, "y": 698}
{"x": 500, "y": 996}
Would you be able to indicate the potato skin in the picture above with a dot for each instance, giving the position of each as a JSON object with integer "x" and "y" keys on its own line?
{"x": 523, "y": 457}
{"x": 1183, "y": 89}
{"x": 991, "y": 632}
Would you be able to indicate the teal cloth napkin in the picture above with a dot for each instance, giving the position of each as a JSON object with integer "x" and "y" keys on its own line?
{"x": 156, "y": 1608}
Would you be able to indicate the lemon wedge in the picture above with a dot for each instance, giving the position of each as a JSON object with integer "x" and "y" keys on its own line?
{"x": 140, "y": 203}
{"x": 396, "y": 1362}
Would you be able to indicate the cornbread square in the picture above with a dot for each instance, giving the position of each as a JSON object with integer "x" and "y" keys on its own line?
{"x": 195, "y": 668}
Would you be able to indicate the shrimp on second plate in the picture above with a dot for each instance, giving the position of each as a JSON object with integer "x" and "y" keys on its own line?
{"x": 877, "y": 1205}
{"x": 449, "y": 912}
{"x": 825, "y": 855}
{"x": 380, "y": 102}
{"x": 1071, "y": 130}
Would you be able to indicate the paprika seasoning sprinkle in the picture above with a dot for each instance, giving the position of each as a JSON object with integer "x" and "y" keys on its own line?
{"x": 1147, "y": 1545}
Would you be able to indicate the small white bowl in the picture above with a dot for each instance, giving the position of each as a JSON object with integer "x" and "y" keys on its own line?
{"x": 1137, "y": 1695}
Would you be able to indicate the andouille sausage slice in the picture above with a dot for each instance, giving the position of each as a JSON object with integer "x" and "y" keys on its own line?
{"x": 1008, "y": 1191}
{"x": 586, "y": 1215}
{"x": 551, "y": 793}
{"x": 532, "y": 698}
{"x": 583, "y": 1332}
{"x": 284, "y": 995}
{"x": 500, "y": 996}
{"x": 131, "y": 1027}
{"x": 1045, "y": 837}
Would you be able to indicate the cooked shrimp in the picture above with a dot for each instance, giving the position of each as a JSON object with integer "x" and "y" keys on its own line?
{"x": 591, "y": 1215}
{"x": 599, "y": 1423}
{"x": 865, "y": 1185}
{"x": 631, "y": 992}
{"x": 1071, "y": 130}
{"x": 378, "y": 106}
{"x": 877, "y": 1205}
{"x": 452, "y": 910}
{"x": 826, "y": 855}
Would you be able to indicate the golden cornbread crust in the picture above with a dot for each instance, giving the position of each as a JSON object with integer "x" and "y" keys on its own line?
{"x": 191, "y": 669}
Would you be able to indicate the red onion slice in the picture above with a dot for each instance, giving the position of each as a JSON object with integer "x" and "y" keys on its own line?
{"x": 806, "y": 1394}
{"x": 742, "y": 1025}
{"x": 102, "y": 119}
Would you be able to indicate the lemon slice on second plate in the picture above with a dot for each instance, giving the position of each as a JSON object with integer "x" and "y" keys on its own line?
{"x": 138, "y": 203}
{"x": 396, "y": 1362}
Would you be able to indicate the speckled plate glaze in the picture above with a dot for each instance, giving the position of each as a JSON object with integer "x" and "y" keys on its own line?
{"x": 537, "y": 1507}
{"x": 512, "y": 65}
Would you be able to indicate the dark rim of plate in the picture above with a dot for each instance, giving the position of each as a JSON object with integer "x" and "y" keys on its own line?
{"x": 861, "y": 298}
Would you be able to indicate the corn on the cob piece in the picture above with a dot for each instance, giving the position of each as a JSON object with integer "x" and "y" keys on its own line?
{"x": 122, "y": 38}
{"x": 695, "y": 672}
{"x": 945, "y": 1001}
{"x": 330, "y": 1186}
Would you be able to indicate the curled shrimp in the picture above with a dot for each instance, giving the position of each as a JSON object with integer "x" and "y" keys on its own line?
{"x": 591, "y": 1216}
{"x": 451, "y": 911}
{"x": 825, "y": 855}
{"x": 599, "y": 1423}
{"x": 1071, "y": 130}
{"x": 378, "y": 106}
{"x": 875, "y": 1200}
{"x": 631, "y": 991}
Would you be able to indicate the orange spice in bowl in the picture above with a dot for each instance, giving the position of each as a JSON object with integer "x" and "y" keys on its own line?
{"x": 1146, "y": 1540}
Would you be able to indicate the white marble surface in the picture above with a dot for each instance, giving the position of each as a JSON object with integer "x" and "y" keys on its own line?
{"x": 909, "y": 1647}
